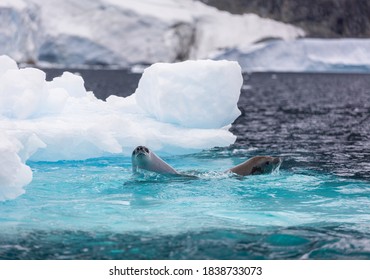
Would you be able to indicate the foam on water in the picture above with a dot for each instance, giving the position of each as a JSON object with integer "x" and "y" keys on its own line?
{"x": 60, "y": 120}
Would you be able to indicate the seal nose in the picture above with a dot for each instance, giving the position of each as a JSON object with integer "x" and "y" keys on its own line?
{"x": 137, "y": 150}
{"x": 140, "y": 149}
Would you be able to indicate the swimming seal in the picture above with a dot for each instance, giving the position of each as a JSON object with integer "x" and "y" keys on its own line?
{"x": 256, "y": 165}
{"x": 143, "y": 158}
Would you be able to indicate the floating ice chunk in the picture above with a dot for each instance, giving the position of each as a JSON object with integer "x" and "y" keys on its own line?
{"x": 198, "y": 94}
{"x": 24, "y": 94}
{"x": 14, "y": 174}
{"x": 72, "y": 83}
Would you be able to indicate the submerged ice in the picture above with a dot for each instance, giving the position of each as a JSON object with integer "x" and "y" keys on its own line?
{"x": 177, "y": 108}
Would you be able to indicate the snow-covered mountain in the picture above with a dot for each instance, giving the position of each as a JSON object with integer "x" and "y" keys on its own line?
{"x": 123, "y": 33}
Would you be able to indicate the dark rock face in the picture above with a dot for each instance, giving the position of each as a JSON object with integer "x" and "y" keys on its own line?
{"x": 319, "y": 18}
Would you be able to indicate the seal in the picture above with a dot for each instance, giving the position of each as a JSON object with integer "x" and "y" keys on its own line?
{"x": 256, "y": 165}
{"x": 143, "y": 158}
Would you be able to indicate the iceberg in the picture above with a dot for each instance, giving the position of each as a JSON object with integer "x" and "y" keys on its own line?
{"x": 303, "y": 55}
{"x": 166, "y": 90}
{"x": 177, "y": 108}
{"x": 14, "y": 173}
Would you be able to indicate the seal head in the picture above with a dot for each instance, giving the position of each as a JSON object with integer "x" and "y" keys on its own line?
{"x": 143, "y": 158}
{"x": 257, "y": 165}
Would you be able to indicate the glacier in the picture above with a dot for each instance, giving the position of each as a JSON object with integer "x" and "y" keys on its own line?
{"x": 185, "y": 112}
{"x": 125, "y": 33}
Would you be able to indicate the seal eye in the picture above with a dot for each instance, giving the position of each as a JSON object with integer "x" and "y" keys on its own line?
{"x": 267, "y": 163}
{"x": 146, "y": 150}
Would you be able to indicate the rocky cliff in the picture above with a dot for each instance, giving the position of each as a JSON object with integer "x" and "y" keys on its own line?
{"x": 319, "y": 18}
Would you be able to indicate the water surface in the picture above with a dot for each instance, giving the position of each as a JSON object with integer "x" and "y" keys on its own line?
{"x": 316, "y": 207}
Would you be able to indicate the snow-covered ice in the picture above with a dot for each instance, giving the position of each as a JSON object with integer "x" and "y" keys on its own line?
{"x": 183, "y": 112}
{"x": 14, "y": 173}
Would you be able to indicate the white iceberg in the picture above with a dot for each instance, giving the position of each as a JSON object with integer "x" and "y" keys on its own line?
{"x": 14, "y": 173}
{"x": 184, "y": 112}
{"x": 166, "y": 90}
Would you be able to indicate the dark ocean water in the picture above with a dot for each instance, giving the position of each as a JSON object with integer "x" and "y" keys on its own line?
{"x": 317, "y": 208}
{"x": 315, "y": 121}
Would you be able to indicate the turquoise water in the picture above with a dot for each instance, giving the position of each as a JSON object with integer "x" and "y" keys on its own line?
{"x": 97, "y": 209}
